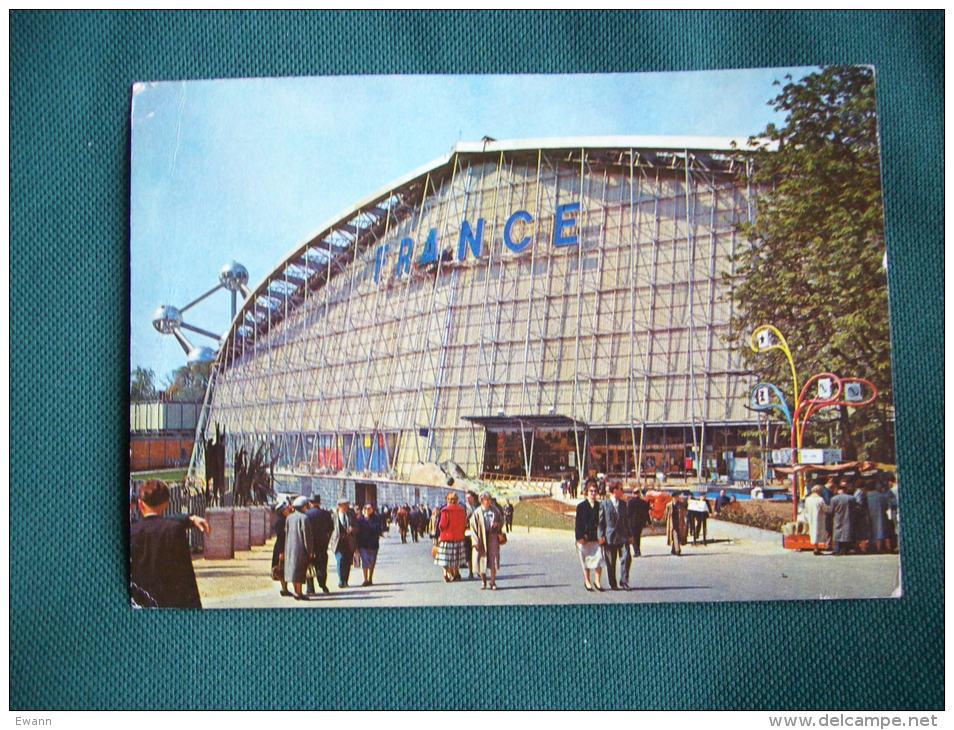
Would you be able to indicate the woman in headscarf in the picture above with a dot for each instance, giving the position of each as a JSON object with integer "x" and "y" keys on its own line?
{"x": 370, "y": 527}
{"x": 282, "y": 510}
{"x": 450, "y": 547}
{"x": 486, "y": 524}
{"x": 587, "y": 539}
{"x": 298, "y": 546}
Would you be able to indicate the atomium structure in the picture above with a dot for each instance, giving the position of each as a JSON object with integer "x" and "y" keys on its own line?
{"x": 168, "y": 319}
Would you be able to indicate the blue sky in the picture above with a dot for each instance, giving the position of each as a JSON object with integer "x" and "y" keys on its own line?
{"x": 248, "y": 169}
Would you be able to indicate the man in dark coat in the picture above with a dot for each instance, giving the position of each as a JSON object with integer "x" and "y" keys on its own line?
{"x": 160, "y": 562}
{"x": 417, "y": 522}
{"x": 320, "y": 522}
{"x": 842, "y": 510}
{"x": 508, "y": 516}
{"x": 722, "y": 501}
{"x": 637, "y": 511}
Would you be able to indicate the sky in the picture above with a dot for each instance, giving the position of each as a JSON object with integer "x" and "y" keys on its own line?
{"x": 249, "y": 169}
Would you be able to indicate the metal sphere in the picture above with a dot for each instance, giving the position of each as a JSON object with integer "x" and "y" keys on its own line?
{"x": 233, "y": 276}
{"x": 201, "y": 355}
{"x": 166, "y": 319}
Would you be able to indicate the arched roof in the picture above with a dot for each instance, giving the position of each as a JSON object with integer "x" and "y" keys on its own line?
{"x": 338, "y": 242}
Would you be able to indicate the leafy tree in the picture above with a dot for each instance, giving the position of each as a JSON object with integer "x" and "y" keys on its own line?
{"x": 815, "y": 265}
{"x": 188, "y": 383}
{"x": 142, "y": 384}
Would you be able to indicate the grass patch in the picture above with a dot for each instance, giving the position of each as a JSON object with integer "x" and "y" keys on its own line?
{"x": 756, "y": 513}
{"x": 166, "y": 475}
{"x": 543, "y": 513}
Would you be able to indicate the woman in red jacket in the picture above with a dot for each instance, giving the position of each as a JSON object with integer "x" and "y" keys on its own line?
{"x": 450, "y": 547}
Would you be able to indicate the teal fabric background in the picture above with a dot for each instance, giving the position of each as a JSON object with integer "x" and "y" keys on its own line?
{"x": 74, "y": 641}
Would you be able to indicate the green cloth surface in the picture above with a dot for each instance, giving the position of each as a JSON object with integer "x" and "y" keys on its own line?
{"x": 74, "y": 641}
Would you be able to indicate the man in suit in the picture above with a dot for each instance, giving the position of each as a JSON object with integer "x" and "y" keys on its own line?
{"x": 160, "y": 562}
{"x": 322, "y": 525}
{"x": 343, "y": 540}
{"x": 842, "y": 510}
{"x": 614, "y": 531}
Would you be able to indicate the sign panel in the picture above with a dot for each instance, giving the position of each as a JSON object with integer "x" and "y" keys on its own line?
{"x": 781, "y": 456}
{"x": 853, "y": 392}
{"x": 825, "y": 388}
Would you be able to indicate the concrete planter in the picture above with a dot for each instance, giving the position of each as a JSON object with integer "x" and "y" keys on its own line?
{"x": 256, "y": 530}
{"x": 220, "y": 544}
{"x": 240, "y": 528}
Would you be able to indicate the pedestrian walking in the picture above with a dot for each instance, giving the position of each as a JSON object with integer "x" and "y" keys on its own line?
{"x": 508, "y": 516}
{"x": 370, "y": 527}
{"x": 637, "y": 511}
{"x": 471, "y": 503}
{"x": 676, "y": 523}
{"x": 343, "y": 541}
{"x": 816, "y": 516}
{"x": 613, "y": 533}
{"x": 402, "y": 518}
{"x": 320, "y": 522}
{"x": 878, "y": 523}
{"x": 698, "y": 516}
{"x": 587, "y": 538}
{"x": 282, "y": 510}
{"x": 486, "y": 528}
{"x": 450, "y": 548}
{"x": 843, "y": 508}
{"x": 299, "y": 549}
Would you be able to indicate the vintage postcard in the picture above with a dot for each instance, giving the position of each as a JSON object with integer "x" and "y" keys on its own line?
{"x": 497, "y": 340}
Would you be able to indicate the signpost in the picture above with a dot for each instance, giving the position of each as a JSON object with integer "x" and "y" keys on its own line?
{"x": 830, "y": 391}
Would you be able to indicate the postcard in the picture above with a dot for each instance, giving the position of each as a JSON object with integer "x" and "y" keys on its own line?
{"x": 510, "y": 340}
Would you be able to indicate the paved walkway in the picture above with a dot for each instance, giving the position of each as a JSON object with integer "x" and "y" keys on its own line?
{"x": 541, "y": 567}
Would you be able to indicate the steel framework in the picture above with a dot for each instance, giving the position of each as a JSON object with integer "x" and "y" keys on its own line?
{"x": 343, "y": 358}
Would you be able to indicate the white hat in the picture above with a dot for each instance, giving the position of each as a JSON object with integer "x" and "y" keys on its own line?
{"x": 300, "y": 502}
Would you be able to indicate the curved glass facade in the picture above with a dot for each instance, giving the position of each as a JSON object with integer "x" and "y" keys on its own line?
{"x": 575, "y": 294}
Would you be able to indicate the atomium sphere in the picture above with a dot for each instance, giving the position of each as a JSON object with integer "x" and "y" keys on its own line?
{"x": 200, "y": 355}
{"x": 166, "y": 319}
{"x": 233, "y": 276}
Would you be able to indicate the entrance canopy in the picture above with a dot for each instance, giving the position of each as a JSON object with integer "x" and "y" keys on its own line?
{"x": 510, "y": 423}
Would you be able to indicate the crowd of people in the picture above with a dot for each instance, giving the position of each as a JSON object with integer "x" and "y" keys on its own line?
{"x": 842, "y": 514}
{"x": 609, "y": 534}
{"x": 609, "y": 528}
{"x": 469, "y": 536}
{"x": 305, "y": 533}
{"x": 846, "y": 515}
{"x": 463, "y": 537}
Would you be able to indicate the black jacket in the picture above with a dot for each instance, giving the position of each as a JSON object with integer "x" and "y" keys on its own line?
{"x": 322, "y": 525}
{"x": 587, "y": 521}
{"x": 637, "y": 509}
{"x": 160, "y": 563}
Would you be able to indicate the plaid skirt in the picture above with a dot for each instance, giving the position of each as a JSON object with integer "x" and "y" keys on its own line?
{"x": 451, "y": 554}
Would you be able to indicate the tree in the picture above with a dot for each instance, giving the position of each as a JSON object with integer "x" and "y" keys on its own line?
{"x": 142, "y": 384}
{"x": 188, "y": 383}
{"x": 814, "y": 267}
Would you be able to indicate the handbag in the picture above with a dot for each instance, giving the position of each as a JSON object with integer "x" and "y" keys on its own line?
{"x": 278, "y": 571}
{"x": 501, "y": 539}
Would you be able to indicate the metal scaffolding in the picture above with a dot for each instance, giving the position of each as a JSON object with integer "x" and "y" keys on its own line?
{"x": 352, "y": 355}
